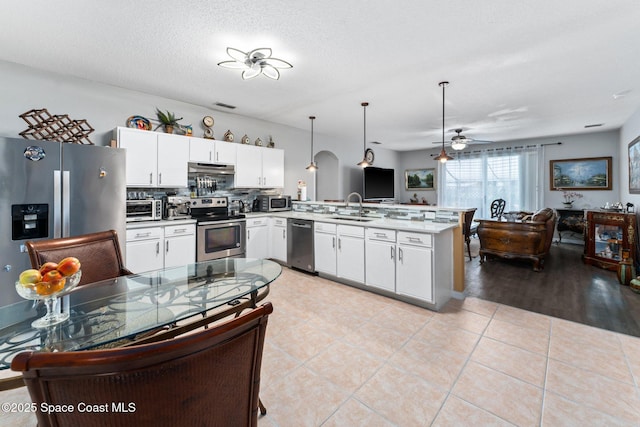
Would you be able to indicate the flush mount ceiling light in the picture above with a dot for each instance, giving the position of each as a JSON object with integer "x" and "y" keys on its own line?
{"x": 443, "y": 156}
{"x": 367, "y": 159}
{"x": 258, "y": 61}
{"x": 312, "y": 166}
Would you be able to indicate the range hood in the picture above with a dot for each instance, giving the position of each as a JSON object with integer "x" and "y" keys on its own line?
{"x": 212, "y": 168}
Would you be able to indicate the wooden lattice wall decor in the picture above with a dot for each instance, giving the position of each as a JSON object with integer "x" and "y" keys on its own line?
{"x": 44, "y": 126}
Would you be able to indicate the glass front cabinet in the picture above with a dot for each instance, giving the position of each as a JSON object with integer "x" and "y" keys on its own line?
{"x": 607, "y": 234}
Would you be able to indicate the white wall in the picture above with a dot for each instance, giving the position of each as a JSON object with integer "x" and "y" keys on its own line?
{"x": 630, "y": 131}
{"x": 596, "y": 144}
{"x": 105, "y": 107}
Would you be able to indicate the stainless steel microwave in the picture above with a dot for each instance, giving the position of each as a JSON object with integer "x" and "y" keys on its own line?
{"x": 273, "y": 203}
{"x": 144, "y": 210}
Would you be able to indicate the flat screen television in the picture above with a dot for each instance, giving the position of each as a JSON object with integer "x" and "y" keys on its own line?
{"x": 379, "y": 183}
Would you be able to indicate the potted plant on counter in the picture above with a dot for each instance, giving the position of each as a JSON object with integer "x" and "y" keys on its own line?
{"x": 168, "y": 120}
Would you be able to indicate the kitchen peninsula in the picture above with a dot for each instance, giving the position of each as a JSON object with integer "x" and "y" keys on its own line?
{"x": 413, "y": 254}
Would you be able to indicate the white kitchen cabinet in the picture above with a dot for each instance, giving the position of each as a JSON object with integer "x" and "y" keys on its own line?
{"x": 154, "y": 159}
{"x": 173, "y": 156}
{"x": 350, "y": 257}
{"x": 278, "y": 239}
{"x": 380, "y": 259}
{"x": 414, "y": 266}
{"x": 259, "y": 167}
{"x": 179, "y": 245}
{"x": 325, "y": 247}
{"x": 257, "y": 238}
{"x": 155, "y": 246}
{"x": 145, "y": 249}
{"x": 272, "y": 168}
{"x": 141, "y": 156}
{"x": 211, "y": 151}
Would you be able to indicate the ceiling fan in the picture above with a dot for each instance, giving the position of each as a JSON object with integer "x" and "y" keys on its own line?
{"x": 460, "y": 142}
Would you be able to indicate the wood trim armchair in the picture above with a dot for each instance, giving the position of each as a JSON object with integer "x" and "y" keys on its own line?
{"x": 527, "y": 239}
{"x": 210, "y": 378}
{"x": 99, "y": 253}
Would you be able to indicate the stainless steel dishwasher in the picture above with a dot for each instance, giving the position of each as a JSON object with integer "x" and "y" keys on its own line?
{"x": 300, "y": 244}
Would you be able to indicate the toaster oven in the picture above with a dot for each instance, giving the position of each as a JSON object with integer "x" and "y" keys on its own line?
{"x": 144, "y": 210}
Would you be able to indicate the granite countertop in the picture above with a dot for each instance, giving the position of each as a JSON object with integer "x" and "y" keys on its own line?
{"x": 393, "y": 224}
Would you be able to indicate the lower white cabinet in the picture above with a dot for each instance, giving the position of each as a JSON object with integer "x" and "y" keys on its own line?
{"x": 278, "y": 239}
{"x": 257, "y": 238}
{"x": 179, "y": 245}
{"x": 324, "y": 247}
{"x": 145, "y": 249}
{"x": 380, "y": 261}
{"x": 350, "y": 260}
{"x": 156, "y": 247}
{"x": 414, "y": 266}
{"x": 339, "y": 250}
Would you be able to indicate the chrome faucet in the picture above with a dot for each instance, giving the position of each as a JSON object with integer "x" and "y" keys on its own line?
{"x": 359, "y": 201}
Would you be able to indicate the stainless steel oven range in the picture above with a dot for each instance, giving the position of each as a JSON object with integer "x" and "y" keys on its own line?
{"x": 219, "y": 234}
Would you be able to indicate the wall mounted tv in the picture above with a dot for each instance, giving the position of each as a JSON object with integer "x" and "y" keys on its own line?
{"x": 379, "y": 183}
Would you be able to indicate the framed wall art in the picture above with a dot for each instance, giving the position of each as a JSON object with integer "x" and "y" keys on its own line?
{"x": 634, "y": 166}
{"x": 420, "y": 179}
{"x": 592, "y": 173}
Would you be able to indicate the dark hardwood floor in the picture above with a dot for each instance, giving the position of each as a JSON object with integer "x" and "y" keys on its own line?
{"x": 566, "y": 288}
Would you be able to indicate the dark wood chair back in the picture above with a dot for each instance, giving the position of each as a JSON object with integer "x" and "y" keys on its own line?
{"x": 497, "y": 208}
{"x": 469, "y": 230}
{"x": 208, "y": 378}
{"x": 99, "y": 254}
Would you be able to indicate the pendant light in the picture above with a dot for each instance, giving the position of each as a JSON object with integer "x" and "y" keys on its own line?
{"x": 364, "y": 163}
{"x": 443, "y": 156}
{"x": 312, "y": 166}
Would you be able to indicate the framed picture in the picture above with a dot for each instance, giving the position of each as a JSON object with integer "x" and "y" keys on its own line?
{"x": 634, "y": 166}
{"x": 420, "y": 179}
{"x": 592, "y": 173}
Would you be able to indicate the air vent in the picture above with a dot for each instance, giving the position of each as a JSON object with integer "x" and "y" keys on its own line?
{"x": 595, "y": 125}
{"x": 223, "y": 105}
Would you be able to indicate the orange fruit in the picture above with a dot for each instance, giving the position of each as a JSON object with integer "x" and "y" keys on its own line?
{"x": 47, "y": 267}
{"x": 48, "y": 288}
{"x": 69, "y": 266}
{"x": 52, "y": 276}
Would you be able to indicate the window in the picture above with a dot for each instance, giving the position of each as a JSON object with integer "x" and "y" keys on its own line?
{"x": 476, "y": 178}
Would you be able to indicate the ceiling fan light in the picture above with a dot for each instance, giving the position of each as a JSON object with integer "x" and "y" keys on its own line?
{"x": 234, "y": 65}
{"x": 250, "y": 73}
{"x": 236, "y": 54}
{"x": 278, "y": 63}
{"x": 458, "y": 145}
{"x": 270, "y": 72}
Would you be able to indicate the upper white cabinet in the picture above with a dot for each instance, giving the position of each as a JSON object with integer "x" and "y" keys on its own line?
{"x": 258, "y": 167}
{"x": 211, "y": 151}
{"x": 154, "y": 159}
{"x": 173, "y": 156}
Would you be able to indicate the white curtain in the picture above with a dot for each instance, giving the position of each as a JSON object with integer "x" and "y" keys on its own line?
{"x": 476, "y": 178}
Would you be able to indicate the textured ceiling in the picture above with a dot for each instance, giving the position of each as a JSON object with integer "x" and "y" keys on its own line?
{"x": 517, "y": 69}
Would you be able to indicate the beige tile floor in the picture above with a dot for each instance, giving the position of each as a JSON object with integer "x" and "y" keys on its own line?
{"x": 339, "y": 356}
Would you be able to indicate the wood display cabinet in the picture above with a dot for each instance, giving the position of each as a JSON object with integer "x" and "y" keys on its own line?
{"x": 607, "y": 234}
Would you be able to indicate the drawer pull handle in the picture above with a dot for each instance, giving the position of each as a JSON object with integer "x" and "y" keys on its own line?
{"x": 143, "y": 234}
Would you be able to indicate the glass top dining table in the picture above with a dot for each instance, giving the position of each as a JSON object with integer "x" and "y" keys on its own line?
{"x": 121, "y": 310}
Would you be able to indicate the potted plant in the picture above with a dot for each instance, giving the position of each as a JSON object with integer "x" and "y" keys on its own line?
{"x": 168, "y": 120}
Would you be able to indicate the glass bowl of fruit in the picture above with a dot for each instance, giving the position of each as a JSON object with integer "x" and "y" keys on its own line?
{"x": 47, "y": 283}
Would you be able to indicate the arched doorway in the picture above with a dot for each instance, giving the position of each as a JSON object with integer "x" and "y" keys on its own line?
{"x": 328, "y": 177}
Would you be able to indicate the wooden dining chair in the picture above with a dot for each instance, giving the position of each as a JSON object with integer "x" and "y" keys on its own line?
{"x": 99, "y": 254}
{"x": 469, "y": 229}
{"x": 208, "y": 378}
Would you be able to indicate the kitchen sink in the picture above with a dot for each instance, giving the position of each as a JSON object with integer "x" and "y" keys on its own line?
{"x": 353, "y": 218}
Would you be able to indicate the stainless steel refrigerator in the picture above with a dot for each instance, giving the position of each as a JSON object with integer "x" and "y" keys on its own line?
{"x": 49, "y": 190}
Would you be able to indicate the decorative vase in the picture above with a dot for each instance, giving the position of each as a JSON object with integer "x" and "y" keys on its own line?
{"x": 626, "y": 269}
{"x": 168, "y": 128}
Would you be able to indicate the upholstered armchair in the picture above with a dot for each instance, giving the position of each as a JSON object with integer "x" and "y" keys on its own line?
{"x": 528, "y": 239}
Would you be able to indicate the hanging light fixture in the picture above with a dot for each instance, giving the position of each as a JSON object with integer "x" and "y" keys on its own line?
{"x": 312, "y": 166}
{"x": 364, "y": 163}
{"x": 443, "y": 156}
